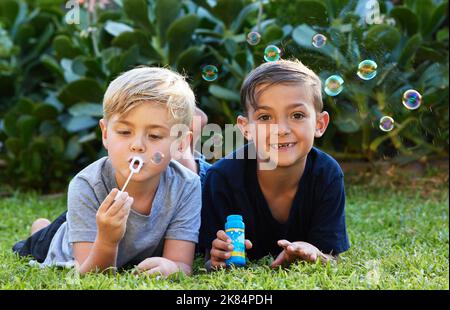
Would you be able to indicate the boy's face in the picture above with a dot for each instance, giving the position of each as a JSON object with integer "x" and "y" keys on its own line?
{"x": 143, "y": 131}
{"x": 291, "y": 109}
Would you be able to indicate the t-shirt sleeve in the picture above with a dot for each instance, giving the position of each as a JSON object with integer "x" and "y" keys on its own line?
{"x": 328, "y": 229}
{"x": 185, "y": 223}
{"x": 216, "y": 202}
{"x": 82, "y": 207}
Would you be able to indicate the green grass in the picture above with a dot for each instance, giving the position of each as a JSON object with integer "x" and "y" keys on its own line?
{"x": 398, "y": 231}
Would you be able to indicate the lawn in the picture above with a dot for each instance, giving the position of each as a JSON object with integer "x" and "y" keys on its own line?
{"x": 397, "y": 225}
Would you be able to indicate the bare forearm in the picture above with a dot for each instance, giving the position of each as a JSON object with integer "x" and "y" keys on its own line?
{"x": 102, "y": 256}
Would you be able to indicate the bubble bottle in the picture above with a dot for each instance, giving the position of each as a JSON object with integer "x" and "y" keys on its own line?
{"x": 235, "y": 229}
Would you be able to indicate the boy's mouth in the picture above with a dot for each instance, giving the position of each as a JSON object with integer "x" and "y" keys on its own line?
{"x": 282, "y": 146}
{"x": 135, "y": 163}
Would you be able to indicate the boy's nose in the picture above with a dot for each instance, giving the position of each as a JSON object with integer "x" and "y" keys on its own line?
{"x": 138, "y": 146}
{"x": 283, "y": 129}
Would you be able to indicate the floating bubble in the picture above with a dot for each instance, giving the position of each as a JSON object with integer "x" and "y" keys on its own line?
{"x": 334, "y": 85}
{"x": 210, "y": 73}
{"x": 253, "y": 38}
{"x": 157, "y": 158}
{"x": 319, "y": 40}
{"x": 412, "y": 99}
{"x": 386, "y": 123}
{"x": 272, "y": 53}
{"x": 367, "y": 69}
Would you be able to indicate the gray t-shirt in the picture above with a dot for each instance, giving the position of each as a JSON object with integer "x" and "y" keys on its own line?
{"x": 175, "y": 214}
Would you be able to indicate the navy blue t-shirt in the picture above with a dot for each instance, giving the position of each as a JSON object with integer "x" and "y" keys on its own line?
{"x": 317, "y": 215}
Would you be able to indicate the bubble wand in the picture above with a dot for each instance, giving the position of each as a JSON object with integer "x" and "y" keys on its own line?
{"x": 134, "y": 160}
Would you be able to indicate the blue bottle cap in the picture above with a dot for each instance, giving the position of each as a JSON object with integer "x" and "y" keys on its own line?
{"x": 234, "y": 217}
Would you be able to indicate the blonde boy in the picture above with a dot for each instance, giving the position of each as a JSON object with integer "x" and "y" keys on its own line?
{"x": 154, "y": 223}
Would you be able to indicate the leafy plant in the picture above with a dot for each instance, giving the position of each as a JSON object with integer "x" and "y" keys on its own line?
{"x": 53, "y": 74}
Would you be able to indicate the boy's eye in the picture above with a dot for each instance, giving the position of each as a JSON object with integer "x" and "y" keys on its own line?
{"x": 154, "y": 137}
{"x": 298, "y": 115}
{"x": 123, "y": 132}
{"x": 264, "y": 117}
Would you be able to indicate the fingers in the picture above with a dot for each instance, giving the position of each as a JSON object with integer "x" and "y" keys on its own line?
{"x": 223, "y": 236}
{"x": 280, "y": 260}
{"x": 121, "y": 202}
{"x": 156, "y": 272}
{"x": 148, "y": 263}
{"x": 283, "y": 243}
{"x": 221, "y": 249}
{"x": 248, "y": 244}
{"x": 108, "y": 200}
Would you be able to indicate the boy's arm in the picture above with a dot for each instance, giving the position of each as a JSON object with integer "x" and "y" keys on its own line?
{"x": 94, "y": 256}
{"x": 181, "y": 253}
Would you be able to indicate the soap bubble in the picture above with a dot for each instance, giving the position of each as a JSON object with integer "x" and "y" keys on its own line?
{"x": 412, "y": 99}
{"x": 367, "y": 69}
{"x": 210, "y": 73}
{"x": 253, "y": 38}
{"x": 319, "y": 40}
{"x": 272, "y": 53}
{"x": 157, "y": 158}
{"x": 334, "y": 85}
{"x": 386, "y": 123}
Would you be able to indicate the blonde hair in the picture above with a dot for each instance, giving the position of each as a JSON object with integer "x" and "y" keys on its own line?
{"x": 143, "y": 84}
{"x": 280, "y": 72}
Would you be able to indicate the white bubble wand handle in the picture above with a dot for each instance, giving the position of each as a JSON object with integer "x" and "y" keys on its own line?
{"x": 133, "y": 170}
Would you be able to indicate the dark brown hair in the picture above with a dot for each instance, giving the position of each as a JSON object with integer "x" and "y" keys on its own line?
{"x": 280, "y": 72}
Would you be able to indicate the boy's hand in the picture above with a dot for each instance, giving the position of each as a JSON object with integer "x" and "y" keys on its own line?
{"x": 222, "y": 248}
{"x": 158, "y": 266}
{"x": 112, "y": 217}
{"x": 296, "y": 250}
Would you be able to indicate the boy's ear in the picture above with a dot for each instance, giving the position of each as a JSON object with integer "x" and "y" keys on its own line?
{"x": 103, "y": 128}
{"x": 242, "y": 123}
{"x": 322, "y": 121}
{"x": 185, "y": 142}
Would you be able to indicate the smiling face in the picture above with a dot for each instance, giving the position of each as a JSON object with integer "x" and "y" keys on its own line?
{"x": 284, "y": 123}
{"x": 142, "y": 132}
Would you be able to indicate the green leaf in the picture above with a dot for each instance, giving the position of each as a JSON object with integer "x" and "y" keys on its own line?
{"x": 272, "y": 33}
{"x": 137, "y": 10}
{"x": 228, "y": 10}
{"x": 57, "y": 144}
{"x": 237, "y": 22}
{"x": 223, "y": 93}
{"x": 303, "y": 35}
{"x": 406, "y": 18}
{"x": 166, "y": 11}
{"x": 26, "y": 124}
{"x": 51, "y": 64}
{"x": 6, "y": 45}
{"x": 73, "y": 148}
{"x": 382, "y": 37}
{"x": 14, "y": 145}
{"x": 139, "y": 38}
{"x": 69, "y": 75}
{"x": 64, "y": 47}
{"x": 115, "y": 28}
{"x": 78, "y": 123}
{"x": 311, "y": 12}
{"x": 82, "y": 90}
{"x": 437, "y": 18}
{"x": 410, "y": 50}
{"x": 45, "y": 111}
{"x": 179, "y": 35}
{"x": 9, "y": 9}
{"x": 189, "y": 60}
{"x": 86, "y": 109}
